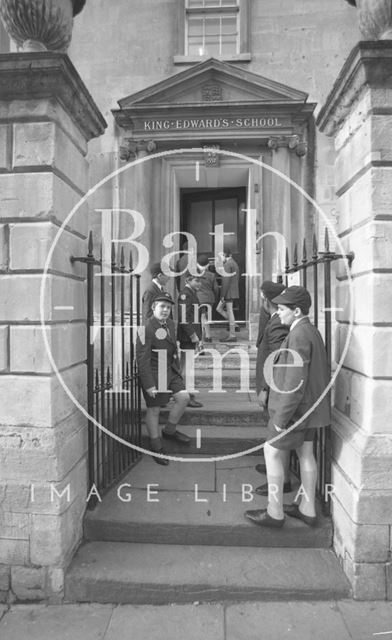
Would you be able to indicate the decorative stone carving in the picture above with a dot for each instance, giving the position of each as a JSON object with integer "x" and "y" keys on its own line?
{"x": 136, "y": 148}
{"x": 294, "y": 143}
{"x": 375, "y": 18}
{"x": 40, "y": 25}
{"x": 212, "y": 159}
{"x": 211, "y": 92}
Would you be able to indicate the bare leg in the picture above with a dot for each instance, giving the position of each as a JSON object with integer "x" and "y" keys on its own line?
{"x": 181, "y": 400}
{"x": 152, "y": 425}
{"x": 308, "y": 467}
{"x": 230, "y": 315}
{"x": 275, "y": 478}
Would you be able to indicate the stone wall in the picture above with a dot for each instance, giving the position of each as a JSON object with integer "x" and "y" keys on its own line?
{"x": 46, "y": 119}
{"x": 358, "y": 114}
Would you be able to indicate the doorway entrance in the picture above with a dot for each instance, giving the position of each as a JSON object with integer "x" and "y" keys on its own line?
{"x": 202, "y": 210}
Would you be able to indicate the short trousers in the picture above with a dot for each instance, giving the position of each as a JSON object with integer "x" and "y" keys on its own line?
{"x": 176, "y": 384}
{"x": 292, "y": 440}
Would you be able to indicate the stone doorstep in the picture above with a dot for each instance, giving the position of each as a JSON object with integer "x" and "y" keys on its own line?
{"x": 125, "y": 573}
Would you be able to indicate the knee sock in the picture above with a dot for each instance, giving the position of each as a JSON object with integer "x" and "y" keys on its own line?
{"x": 170, "y": 428}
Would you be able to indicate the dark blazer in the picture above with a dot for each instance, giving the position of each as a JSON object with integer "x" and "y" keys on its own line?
{"x": 230, "y": 283}
{"x": 187, "y": 314}
{"x": 147, "y": 359}
{"x": 263, "y": 321}
{"x": 309, "y": 380}
{"x": 273, "y": 335}
{"x": 148, "y": 298}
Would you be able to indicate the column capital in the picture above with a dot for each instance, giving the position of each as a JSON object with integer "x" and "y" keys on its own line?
{"x": 293, "y": 143}
{"x": 136, "y": 148}
{"x": 368, "y": 65}
{"x": 50, "y": 76}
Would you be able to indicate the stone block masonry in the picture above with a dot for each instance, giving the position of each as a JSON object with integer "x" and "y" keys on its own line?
{"x": 358, "y": 114}
{"x": 44, "y": 131}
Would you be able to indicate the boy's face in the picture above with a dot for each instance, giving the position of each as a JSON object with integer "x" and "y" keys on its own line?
{"x": 161, "y": 310}
{"x": 195, "y": 283}
{"x": 287, "y": 315}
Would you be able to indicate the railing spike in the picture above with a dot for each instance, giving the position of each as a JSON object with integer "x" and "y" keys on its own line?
{"x": 314, "y": 246}
{"x": 326, "y": 240}
{"x": 113, "y": 254}
{"x": 304, "y": 253}
{"x": 295, "y": 256}
{"x": 287, "y": 259}
{"x": 122, "y": 258}
{"x": 130, "y": 261}
{"x": 96, "y": 379}
{"x": 90, "y": 245}
{"x": 108, "y": 376}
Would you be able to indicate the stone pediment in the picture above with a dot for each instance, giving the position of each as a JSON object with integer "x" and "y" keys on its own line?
{"x": 213, "y": 81}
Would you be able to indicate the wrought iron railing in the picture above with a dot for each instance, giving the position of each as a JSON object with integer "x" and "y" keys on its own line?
{"x": 113, "y": 391}
{"x": 316, "y": 275}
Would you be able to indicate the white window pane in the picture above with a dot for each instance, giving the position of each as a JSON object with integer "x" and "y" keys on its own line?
{"x": 212, "y": 26}
{"x": 229, "y": 25}
{"x": 229, "y": 45}
{"x": 195, "y": 27}
{"x": 212, "y": 47}
{"x": 211, "y": 3}
{"x": 195, "y": 49}
{"x": 192, "y": 4}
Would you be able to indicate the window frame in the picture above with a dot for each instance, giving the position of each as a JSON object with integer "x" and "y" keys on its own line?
{"x": 243, "y": 31}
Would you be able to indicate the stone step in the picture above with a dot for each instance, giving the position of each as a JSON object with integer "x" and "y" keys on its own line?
{"x": 215, "y": 441}
{"x": 124, "y": 573}
{"x": 231, "y": 379}
{"x": 229, "y": 361}
{"x": 198, "y": 502}
{"x": 215, "y": 412}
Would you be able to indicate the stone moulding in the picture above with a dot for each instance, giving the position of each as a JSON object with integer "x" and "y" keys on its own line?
{"x": 40, "y": 25}
{"x": 28, "y": 76}
{"x": 368, "y": 65}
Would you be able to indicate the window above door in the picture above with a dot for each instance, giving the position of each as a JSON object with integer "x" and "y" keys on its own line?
{"x": 213, "y": 29}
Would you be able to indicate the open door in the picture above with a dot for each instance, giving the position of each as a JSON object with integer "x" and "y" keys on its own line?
{"x": 202, "y": 210}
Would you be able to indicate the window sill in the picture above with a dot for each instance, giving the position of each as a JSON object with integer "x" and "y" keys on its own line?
{"x": 241, "y": 57}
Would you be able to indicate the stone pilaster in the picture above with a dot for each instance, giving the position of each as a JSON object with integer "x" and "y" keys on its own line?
{"x": 46, "y": 119}
{"x": 358, "y": 113}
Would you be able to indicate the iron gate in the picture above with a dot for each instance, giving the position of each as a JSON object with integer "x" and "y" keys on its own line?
{"x": 315, "y": 275}
{"x": 113, "y": 391}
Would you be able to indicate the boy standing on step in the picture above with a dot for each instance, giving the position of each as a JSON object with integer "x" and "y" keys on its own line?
{"x": 299, "y": 379}
{"x": 160, "y": 375}
{"x": 189, "y": 325}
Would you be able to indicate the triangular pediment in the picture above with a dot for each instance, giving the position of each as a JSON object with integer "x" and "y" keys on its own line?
{"x": 213, "y": 81}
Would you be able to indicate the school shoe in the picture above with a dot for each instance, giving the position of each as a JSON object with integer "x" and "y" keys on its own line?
{"x": 262, "y": 518}
{"x": 177, "y": 436}
{"x": 162, "y": 461}
{"x": 262, "y": 490}
{"x": 293, "y": 511}
{"x": 261, "y": 468}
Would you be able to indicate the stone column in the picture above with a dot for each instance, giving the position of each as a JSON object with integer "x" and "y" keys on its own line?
{"x": 46, "y": 119}
{"x": 358, "y": 113}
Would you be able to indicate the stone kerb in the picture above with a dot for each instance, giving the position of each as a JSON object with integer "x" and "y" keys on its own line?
{"x": 47, "y": 118}
{"x": 358, "y": 114}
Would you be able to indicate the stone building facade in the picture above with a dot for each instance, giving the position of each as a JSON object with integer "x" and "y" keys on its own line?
{"x": 148, "y": 81}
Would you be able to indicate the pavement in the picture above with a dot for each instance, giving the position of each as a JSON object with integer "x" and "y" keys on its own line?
{"x": 342, "y": 620}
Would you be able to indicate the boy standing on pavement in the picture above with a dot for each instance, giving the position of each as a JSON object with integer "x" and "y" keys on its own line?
{"x": 229, "y": 294}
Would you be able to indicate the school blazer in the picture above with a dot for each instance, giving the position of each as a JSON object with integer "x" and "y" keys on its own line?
{"x": 147, "y": 358}
{"x": 305, "y": 384}
{"x": 273, "y": 335}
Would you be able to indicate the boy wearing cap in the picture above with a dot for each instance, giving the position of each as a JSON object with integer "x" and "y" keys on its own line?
{"x": 273, "y": 334}
{"x": 156, "y": 287}
{"x": 298, "y": 380}
{"x": 189, "y": 326}
{"x": 160, "y": 336}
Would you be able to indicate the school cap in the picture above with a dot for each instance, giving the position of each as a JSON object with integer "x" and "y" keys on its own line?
{"x": 271, "y": 289}
{"x": 295, "y": 295}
